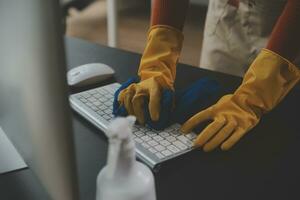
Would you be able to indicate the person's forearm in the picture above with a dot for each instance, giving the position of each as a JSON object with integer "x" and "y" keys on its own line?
{"x": 285, "y": 38}
{"x": 169, "y": 12}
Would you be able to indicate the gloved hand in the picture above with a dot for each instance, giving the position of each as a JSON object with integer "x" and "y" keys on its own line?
{"x": 157, "y": 72}
{"x": 117, "y": 109}
{"x": 266, "y": 83}
{"x": 187, "y": 102}
{"x": 166, "y": 103}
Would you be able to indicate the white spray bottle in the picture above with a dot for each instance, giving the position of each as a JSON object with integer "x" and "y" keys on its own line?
{"x": 124, "y": 178}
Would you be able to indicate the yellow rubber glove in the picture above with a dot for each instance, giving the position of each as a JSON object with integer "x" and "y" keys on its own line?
{"x": 157, "y": 71}
{"x": 266, "y": 83}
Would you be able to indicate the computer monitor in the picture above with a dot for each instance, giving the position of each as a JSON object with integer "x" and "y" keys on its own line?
{"x": 34, "y": 109}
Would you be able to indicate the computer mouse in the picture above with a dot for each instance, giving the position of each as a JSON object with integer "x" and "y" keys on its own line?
{"x": 89, "y": 74}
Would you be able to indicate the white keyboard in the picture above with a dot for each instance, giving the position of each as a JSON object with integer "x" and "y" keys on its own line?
{"x": 152, "y": 146}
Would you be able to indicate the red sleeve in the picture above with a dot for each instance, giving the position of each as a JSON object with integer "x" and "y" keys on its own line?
{"x": 235, "y": 3}
{"x": 169, "y": 12}
{"x": 285, "y": 38}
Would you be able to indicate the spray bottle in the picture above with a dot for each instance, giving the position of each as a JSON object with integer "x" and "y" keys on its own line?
{"x": 124, "y": 178}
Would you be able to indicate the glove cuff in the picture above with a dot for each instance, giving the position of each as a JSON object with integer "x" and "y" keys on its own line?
{"x": 267, "y": 81}
{"x": 168, "y": 28}
{"x": 291, "y": 66}
{"x": 161, "y": 55}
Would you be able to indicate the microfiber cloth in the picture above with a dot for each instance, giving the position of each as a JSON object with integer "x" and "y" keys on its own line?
{"x": 175, "y": 107}
{"x": 195, "y": 98}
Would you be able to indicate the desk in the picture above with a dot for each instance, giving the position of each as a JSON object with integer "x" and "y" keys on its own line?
{"x": 263, "y": 165}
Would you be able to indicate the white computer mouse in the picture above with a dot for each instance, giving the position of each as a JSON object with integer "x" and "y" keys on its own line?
{"x": 89, "y": 74}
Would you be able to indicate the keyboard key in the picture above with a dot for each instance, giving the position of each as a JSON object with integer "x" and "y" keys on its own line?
{"x": 139, "y": 133}
{"x": 164, "y": 143}
{"x": 83, "y": 100}
{"x": 138, "y": 140}
{"x": 92, "y": 91}
{"x": 159, "y": 155}
{"x": 94, "y": 108}
{"x": 159, "y": 147}
{"x": 86, "y": 95}
{"x": 155, "y": 131}
{"x": 151, "y": 133}
{"x": 101, "y": 91}
{"x": 100, "y": 112}
{"x": 184, "y": 140}
{"x": 138, "y": 126}
{"x": 166, "y": 152}
{"x": 145, "y": 145}
{"x": 97, "y": 95}
{"x": 191, "y": 136}
{"x": 175, "y": 133}
{"x": 77, "y": 96}
{"x": 164, "y": 134}
{"x": 173, "y": 149}
{"x": 107, "y": 111}
{"x": 102, "y": 107}
{"x": 158, "y": 138}
{"x": 92, "y": 99}
{"x": 97, "y": 103}
{"x": 108, "y": 103}
{"x": 106, "y": 117}
{"x": 89, "y": 104}
{"x": 169, "y": 129}
{"x": 146, "y": 138}
{"x": 152, "y": 150}
{"x": 143, "y": 129}
{"x": 111, "y": 115}
{"x": 180, "y": 145}
{"x": 171, "y": 138}
{"x": 109, "y": 96}
{"x": 152, "y": 143}
{"x": 103, "y": 99}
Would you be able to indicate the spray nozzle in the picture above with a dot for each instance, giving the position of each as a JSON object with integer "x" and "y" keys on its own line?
{"x": 119, "y": 130}
{"x": 121, "y": 127}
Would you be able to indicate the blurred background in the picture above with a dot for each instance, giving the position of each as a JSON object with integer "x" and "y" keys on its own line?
{"x": 87, "y": 19}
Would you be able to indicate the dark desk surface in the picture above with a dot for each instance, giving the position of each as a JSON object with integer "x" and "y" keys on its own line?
{"x": 264, "y": 165}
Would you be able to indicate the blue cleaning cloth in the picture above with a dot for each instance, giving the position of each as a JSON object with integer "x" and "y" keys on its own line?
{"x": 188, "y": 102}
{"x": 195, "y": 98}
